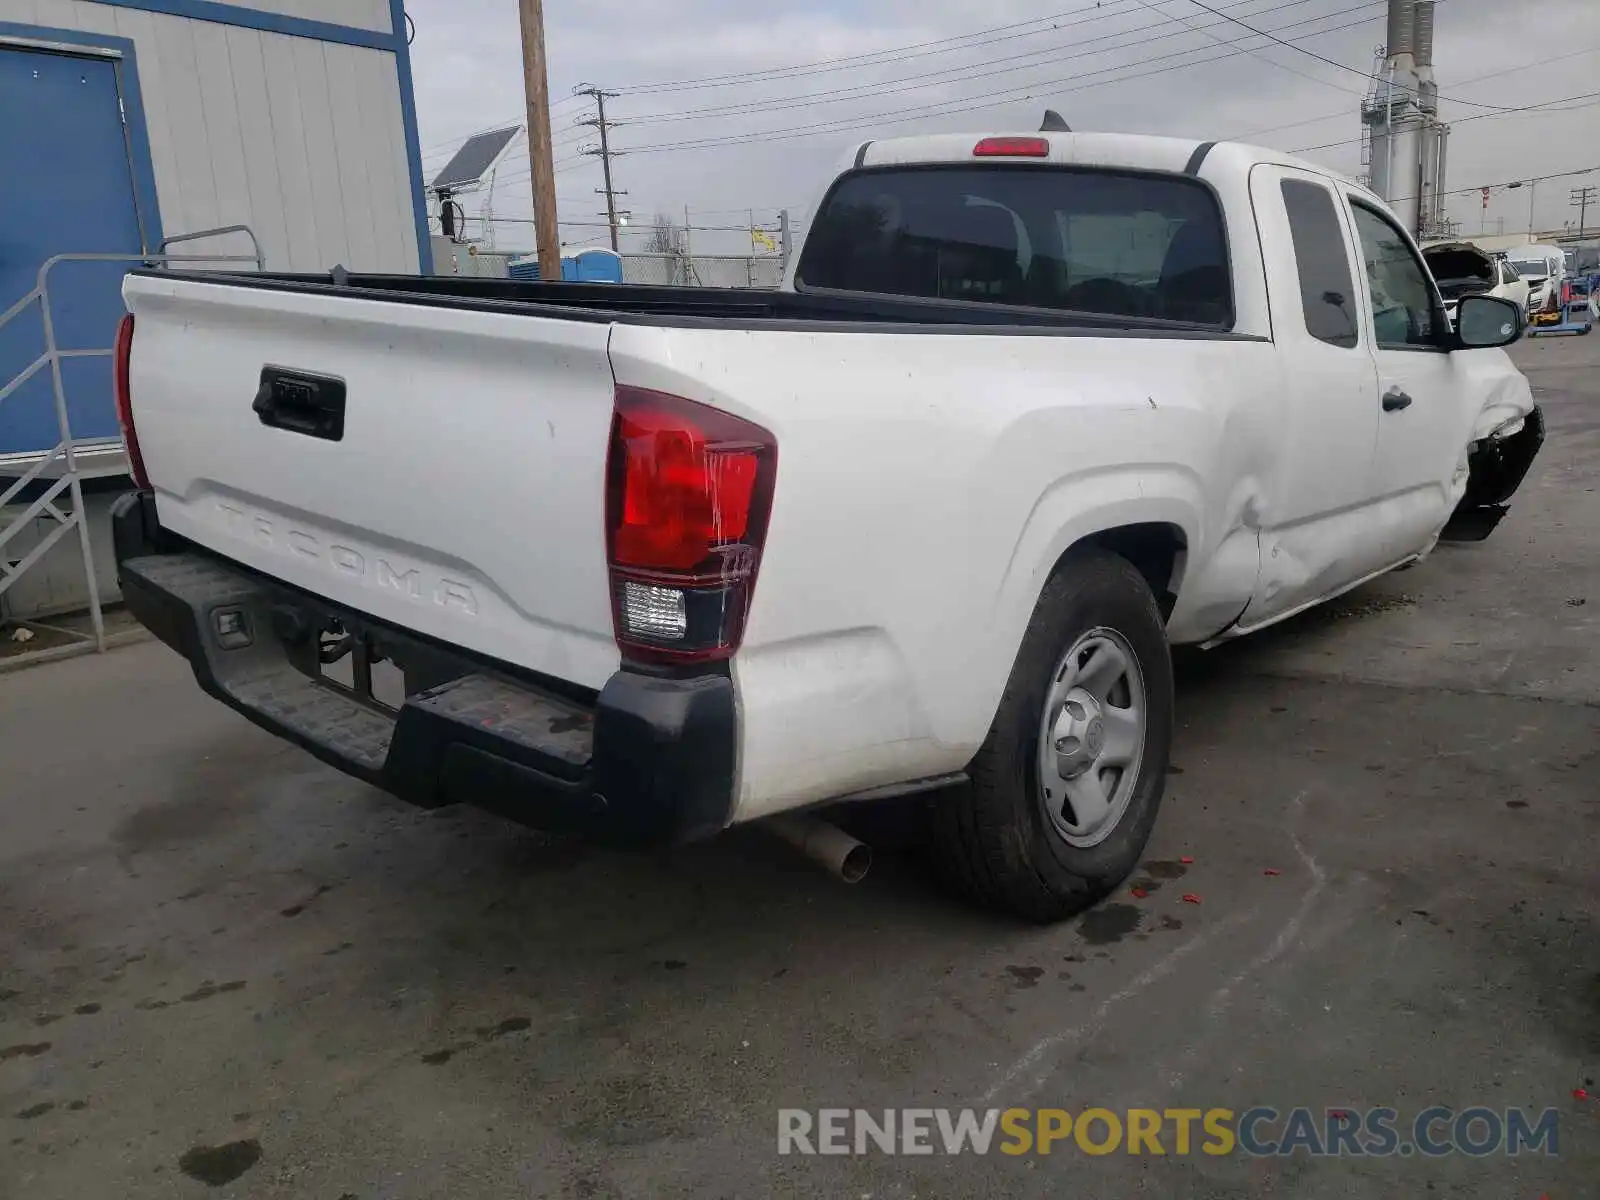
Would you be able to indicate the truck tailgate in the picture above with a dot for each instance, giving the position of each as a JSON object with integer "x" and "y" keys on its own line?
{"x": 463, "y": 496}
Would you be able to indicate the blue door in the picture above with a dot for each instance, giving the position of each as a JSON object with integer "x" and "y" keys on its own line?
{"x": 68, "y": 190}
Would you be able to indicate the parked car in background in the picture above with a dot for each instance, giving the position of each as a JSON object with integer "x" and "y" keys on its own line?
{"x": 1545, "y": 269}
{"x": 1585, "y": 259}
{"x": 1463, "y": 269}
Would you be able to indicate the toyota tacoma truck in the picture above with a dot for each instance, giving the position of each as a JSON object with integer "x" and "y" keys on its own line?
{"x": 651, "y": 562}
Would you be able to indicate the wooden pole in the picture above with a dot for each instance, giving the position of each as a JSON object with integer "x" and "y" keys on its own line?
{"x": 536, "y": 84}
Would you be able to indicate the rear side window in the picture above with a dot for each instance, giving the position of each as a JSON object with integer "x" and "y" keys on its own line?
{"x": 1104, "y": 242}
{"x": 1327, "y": 296}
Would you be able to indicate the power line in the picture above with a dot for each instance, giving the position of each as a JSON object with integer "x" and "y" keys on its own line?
{"x": 563, "y": 139}
{"x": 969, "y": 71}
{"x": 1344, "y": 113}
{"x": 573, "y": 136}
{"x": 878, "y": 57}
{"x": 455, "y": 142}
{"x": 1514, "y": 183}
{"x": 1331, "y": 62}
{"x": 1252, "y": 53}
{"x": 1545, "y": 104}
{"x": 960, "y": 104}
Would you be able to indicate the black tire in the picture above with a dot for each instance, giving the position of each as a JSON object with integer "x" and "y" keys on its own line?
{"x": 992, "y": 838}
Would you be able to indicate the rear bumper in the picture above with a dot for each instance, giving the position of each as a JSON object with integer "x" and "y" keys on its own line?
{"x": 647, "y": 760}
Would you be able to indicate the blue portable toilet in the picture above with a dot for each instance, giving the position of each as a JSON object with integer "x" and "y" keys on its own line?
{"x": 594, "y": 266}
{"x": 581, "y": 266}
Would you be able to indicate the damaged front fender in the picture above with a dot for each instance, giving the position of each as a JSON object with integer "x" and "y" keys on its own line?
{"x": 1496, "y": 467}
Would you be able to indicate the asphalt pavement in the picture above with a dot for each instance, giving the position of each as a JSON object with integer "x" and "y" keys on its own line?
{"x": 228, "y": 970}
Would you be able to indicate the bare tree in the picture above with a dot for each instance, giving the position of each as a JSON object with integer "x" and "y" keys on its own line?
{"x": 664, "y": 236}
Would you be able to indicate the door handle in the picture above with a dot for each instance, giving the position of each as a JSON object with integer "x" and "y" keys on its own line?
{"x": 1394, "y": 400}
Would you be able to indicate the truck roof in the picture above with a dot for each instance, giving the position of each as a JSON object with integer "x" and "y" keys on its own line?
{"x": 1137, "y": 151}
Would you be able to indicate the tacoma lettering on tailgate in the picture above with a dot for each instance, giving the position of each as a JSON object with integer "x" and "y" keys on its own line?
{"x": 366, "y": 567}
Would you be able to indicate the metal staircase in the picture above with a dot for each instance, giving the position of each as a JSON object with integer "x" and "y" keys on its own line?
{"x": 60, "y": 471}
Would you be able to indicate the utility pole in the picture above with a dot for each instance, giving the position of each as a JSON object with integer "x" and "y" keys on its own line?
{"x": 536, "y": 86}
{"x": 1581, "y": 199}
{"x": 690, "y": 275}
{"x": 598, "y": 121}
{"x": 785, "y": 239}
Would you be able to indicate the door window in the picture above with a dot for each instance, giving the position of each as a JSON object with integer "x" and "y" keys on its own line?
{"x": 1327, "y": 297}
{"x": 1405, "y": 314}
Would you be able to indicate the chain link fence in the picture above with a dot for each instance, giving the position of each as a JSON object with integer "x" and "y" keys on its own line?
{"x": 704, "y": 270}
{"x": 684, "y": 270}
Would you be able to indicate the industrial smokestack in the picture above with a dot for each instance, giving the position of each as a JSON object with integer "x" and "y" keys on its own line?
{"x": 1422, "y": 45}
{"x": 1402, "y": 27}
{"x": 1427, "y": 89}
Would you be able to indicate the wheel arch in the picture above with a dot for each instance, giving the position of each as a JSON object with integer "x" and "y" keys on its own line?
{"x": 1158, "y": 550}
{"x": 1150, "y": 516}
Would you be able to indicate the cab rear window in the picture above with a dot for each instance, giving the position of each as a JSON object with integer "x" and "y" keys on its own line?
{"x": 1096, "y": 241}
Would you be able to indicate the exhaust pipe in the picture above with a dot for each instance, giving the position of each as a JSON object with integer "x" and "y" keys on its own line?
{"x": 838, "y": 852}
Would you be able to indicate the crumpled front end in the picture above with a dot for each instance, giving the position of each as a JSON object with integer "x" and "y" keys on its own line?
{"x": 1497, "y": 463}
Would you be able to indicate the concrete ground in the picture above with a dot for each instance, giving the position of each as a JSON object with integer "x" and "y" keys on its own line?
{"x": 225, "y": 966}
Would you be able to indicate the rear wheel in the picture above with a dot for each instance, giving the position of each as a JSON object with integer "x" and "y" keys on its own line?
{"x": 1065, "y": 790}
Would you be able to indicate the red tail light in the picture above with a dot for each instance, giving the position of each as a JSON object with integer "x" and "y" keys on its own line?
{"x": 121, "y": 353}
{"x": 1012, "y": 147}
{"x": 688, "y": 492}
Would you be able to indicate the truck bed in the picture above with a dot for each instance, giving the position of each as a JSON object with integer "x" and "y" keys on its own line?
{"x": 705, "y": 307}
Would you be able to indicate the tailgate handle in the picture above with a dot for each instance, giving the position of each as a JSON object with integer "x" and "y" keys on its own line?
{"x": 300, "y": 402}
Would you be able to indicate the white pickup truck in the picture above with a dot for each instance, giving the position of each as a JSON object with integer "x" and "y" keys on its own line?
{"x": 656, "y": 561}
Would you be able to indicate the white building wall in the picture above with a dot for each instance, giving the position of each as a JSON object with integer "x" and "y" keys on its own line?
{"x": 300, "y": 139}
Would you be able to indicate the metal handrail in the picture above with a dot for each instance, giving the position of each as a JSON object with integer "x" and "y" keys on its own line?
{"x": 66, "y": 448}
{"x": 261, "y": 261}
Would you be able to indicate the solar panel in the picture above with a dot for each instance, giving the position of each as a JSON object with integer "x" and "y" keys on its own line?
{"x": 474, "y": 159}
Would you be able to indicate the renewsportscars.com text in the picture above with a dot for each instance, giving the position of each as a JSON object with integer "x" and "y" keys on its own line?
{"x": 1257, "y": 1132}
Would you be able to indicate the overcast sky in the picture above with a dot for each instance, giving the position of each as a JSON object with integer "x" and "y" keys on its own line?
{"x": 1148, "y": 66}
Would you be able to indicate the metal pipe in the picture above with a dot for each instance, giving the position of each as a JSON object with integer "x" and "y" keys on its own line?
{"x": 1427, "y": 191}
{"x": 1441, "y": 187}
{"x": 841, "y": 854}
{"x": 1387, "y": 191}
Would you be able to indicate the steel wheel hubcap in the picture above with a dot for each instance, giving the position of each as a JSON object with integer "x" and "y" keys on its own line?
{"x": 1091, "y": 737}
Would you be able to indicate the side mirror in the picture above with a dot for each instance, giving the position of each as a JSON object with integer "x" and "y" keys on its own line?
{"x": 1483, "y": 322}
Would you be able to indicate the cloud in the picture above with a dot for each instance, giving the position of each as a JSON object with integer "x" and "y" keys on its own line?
{"x": 916, "y": 66}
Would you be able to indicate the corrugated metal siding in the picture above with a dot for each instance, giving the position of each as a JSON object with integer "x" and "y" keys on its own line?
{"x": 299, "y": 139}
